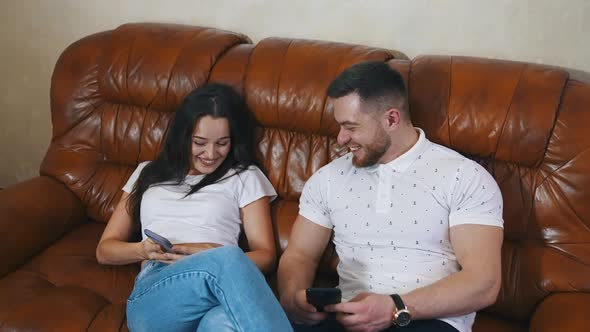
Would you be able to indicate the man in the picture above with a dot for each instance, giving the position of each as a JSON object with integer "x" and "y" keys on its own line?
{"x": 417, "y": 226}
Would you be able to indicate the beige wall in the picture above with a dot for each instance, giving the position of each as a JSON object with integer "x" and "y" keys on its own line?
{"x": 34, "y": 32}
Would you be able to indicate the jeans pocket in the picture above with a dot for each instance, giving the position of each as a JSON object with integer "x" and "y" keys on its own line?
{"x": 141, "y": 280}
{"x": 148, "y": 266}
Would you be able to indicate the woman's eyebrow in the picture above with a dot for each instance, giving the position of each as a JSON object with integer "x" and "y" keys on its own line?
{"x": 204, "y": 138}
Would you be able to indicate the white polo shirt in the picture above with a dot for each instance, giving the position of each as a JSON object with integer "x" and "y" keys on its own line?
{"x": 391, "y": 221}
{"x": 212, "y": 214}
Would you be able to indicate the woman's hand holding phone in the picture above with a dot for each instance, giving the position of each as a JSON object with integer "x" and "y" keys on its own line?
{"x": 159, "y": 248}
{"x": 152, "y": 250}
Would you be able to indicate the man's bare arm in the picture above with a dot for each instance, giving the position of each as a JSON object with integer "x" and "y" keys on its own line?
{"x": 478, "y": 250}
{"x": 297, "y": 268}
{"x": 476, "y": 286}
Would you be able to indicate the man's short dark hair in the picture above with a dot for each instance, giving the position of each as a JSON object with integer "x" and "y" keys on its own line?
{"x": 376, "y": 84}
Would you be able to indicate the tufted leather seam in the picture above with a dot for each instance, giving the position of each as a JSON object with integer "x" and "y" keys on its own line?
{"x": 284, "y": 172}
{"x": 115, "y": 104}
{"x": 123, "y": 321}
{"x": 180, "y": 51}
{"x": 245, "y": 76}
{"x": 580, "y": 220}
{"x": 220, "y": 55}
{"x": 555, "y": 248}
{"x": 530, "y": 217}
{"x": 325, "y": 103}
{"x": 115, "y": 125}
{"x": 100, "y": 130}
{"x": 587, "y": 148}
{"x": 164, "y": 135}
{"x": 113, "y": 200}
{"x": 131, "y": 45}
{"x": 555, "y": 119}
{"x": 170, "y": 75}
{"x": 296, "y": 131}
{"x": 299, "y": 132}
{"x": 557, "y": 112}
{"x": 142, "y": 136}
{"x": 278, "y": 86}
{"x": 508, "y": 111}
{"x": 95, "y": 108}
{"x": 513, "y": 272}
{"x": 96, "y": 315}
{"x": 36, "y": 274}
{"x": 309, "y": 155}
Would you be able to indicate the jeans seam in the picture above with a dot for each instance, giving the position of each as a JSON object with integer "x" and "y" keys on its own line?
{"x": 144, "y": 270}
{"x": 226, "y": 306}
{"x": 159, "y": 282}
{"x": 185, "y": 273}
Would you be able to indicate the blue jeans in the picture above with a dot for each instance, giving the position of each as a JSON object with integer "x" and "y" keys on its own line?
{"x": 216, "y": 290}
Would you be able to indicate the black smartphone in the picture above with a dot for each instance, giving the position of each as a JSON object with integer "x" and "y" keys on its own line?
{"x": 159, "y": 239}
{"x": 319, "y": 297}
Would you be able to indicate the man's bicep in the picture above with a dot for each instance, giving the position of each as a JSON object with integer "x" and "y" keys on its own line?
{"x": 478, "y": 247}
{"x": 308, "y": 239}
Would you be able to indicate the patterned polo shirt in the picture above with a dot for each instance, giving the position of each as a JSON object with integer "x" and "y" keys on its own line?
{"x": 391, "y": 221}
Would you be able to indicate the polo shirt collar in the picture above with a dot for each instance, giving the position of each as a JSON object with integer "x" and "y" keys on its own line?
{"x": 401, "y": 163}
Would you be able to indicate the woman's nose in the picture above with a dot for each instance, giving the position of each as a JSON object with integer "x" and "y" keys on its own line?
{"x": 210, "y": 151}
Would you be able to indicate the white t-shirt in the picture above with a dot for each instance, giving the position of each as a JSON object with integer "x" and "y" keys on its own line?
{"x": 212, "y": 214}
{"x": 391, "y": 221}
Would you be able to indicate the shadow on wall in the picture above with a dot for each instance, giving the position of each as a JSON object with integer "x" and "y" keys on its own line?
{"x": 576, "y": 74}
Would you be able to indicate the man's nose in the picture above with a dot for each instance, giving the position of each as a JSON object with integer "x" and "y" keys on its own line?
{"x": 343, "y": 138}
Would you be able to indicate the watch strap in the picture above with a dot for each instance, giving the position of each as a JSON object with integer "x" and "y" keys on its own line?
{"x": 397, "y": 300}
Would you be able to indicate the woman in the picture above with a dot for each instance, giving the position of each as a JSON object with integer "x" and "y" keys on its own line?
{"x": 197, "y": 193}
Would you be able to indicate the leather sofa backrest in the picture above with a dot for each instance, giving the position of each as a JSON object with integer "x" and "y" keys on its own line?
{"x": 113, "y": 95}
{"x": 527, "y": 124}
{"x": 285, "y": 87}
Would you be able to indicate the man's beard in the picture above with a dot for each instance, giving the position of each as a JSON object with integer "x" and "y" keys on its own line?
{"x": 373, "y": 152}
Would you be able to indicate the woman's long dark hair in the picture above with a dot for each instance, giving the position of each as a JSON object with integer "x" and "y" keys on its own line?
{"x": 174, "y": 161}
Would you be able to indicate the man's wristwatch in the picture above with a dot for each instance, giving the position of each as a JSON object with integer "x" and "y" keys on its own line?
{"x": 401, "y": 315}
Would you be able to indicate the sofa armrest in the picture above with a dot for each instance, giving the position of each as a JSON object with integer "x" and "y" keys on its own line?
{"x": 562, "y": 312}
{"x": 34, "y": 214}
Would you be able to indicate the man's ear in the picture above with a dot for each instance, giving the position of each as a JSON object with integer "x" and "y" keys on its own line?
{"x": 393, "y": 118}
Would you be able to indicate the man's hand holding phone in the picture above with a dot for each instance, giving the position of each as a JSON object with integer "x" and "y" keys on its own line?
{"x": 320, "y": 297}
{"x": 366, "y": 311}
{"x": 305, "y": 305}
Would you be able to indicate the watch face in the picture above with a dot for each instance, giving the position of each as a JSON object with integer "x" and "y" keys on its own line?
{"x": 403, "y": 319}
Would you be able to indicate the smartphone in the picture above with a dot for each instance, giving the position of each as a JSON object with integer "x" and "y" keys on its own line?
{"x": 159, "y": 239}
{"x": 319, "y": 297}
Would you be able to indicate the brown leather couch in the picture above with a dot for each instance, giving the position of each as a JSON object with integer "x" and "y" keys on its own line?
{"x": 113, "y": 94}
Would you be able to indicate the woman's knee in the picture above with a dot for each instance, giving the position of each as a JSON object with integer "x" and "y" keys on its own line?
{"x": 232, "y": 257}
{"x": 216, "y": 320}
{"x": 229, "y": 253}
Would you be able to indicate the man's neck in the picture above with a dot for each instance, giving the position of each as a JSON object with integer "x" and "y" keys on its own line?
{"x": 403, "y": 141}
